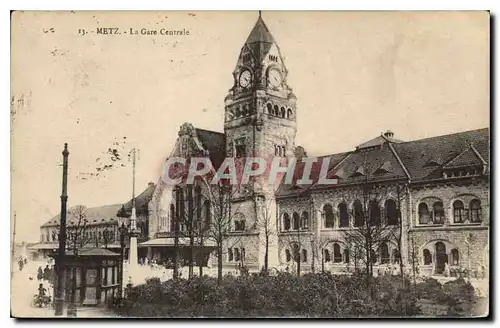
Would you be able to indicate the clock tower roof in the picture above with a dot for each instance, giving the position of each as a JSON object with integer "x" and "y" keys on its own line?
{"x": 260, "y": 40}
{"x": 260, "y": 33}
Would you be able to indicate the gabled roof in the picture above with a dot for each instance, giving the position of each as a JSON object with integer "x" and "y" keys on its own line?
{"x": 418, "y": 160}
{"x": 214, "y": 143}
{"x": 94, "y": 215}
{"x": 141, "y": 202}
{"x": 467, "y": 158}
{"x": 293, "y": 188}
{"x": 419, "y": 155}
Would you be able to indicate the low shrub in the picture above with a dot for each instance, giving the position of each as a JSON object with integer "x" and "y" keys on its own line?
{"x": 310, "y": 295}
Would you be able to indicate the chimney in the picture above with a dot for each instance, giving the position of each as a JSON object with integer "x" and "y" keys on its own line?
{"x": 389, "y": 134}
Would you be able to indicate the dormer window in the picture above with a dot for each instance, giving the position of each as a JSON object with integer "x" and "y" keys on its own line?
{"x": 360, "y": 171}
{"x": 384, "y": 168}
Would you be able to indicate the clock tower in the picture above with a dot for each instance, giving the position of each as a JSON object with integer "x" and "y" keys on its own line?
{"x": 260, "y": 108}
{"x": 260, "y": 121}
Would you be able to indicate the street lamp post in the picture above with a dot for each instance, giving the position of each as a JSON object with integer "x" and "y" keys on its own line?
{"x": 133, "y": 220}
{"x": 123, "y": 231}
{"x": 59, "y": 265}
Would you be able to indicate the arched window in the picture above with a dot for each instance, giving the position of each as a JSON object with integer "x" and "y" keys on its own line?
{"x": 458, "y": 212}
{"x": 344, "y": 215}
{"x": 384, "y": 254}
{"x": 427, "y": 257}
{"x": 283, "y": 112}
{"x": 269, "y": 108}
{"x": 239, "y": 222}
{"x": 327, "y": 255}
{"x": 329, "y": 217}
{"x": 286, "y": 221}
{"x": 229, "y": 254}
{"x": 236, "y": 254}
{"x": 358, "y": 214}
{"x": 391, "y": 212}
{"x": 207, "y": 212}
{"x": 455, "y": 260}
{"x": 242, "y": 255}
{"x": 237, "y": 112}
{"x": 374, "y": 213}
{"x": 276, "y": 110}
{"x": 346, "y": 255}
{"x": 244, "y": 111}
{"x": 395, "y": 256}
{"x": 305, "y": 220}
{"x": 276, "y": 150}
{"x": 423, "y": 214}
{"x": 295, "y": 221}
{"x": 438, "y": 210}
{"x": 289, "y": 113}
{"x": 475, "y": 211}
{"x": 304, "y": 255}
{"x": 288, "y": 255}
{"x": 337, "y": 255}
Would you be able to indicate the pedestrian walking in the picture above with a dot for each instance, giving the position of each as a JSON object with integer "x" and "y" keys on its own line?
{"x": 39, "y": 275}
{"x": 21, "y": 264}
{"x": 46, "y": 273}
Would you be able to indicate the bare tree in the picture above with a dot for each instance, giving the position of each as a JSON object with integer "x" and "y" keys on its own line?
{"x": 370, "y": 228}
{"x": 221, "y": 197}
{"x": 266, "y": 226}
{"x": 77, "y": 238}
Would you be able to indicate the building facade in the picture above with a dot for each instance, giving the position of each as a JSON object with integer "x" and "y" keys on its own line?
{"x": 425, "y": 202}
{"x": 431, "y": 196}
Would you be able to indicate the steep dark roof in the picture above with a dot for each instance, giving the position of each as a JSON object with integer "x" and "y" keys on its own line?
{"x": 292, "y": 188}
{"x": 259, "y": 40}
{"x": 94, "y": 215}
{"x": 422, "y": 159}
{"x": 418, "y": 156}
{"x": 214, "y": 143}
{"x": 141, "y": 202}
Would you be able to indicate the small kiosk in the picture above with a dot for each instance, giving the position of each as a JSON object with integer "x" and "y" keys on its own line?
{"x": 97, "y": 273}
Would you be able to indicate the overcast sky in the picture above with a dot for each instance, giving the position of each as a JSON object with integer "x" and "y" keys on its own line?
{"x": 355, "y": 75}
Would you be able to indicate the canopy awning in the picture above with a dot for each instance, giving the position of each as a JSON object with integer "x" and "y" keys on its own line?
{"x": 169, "y": 242}
{"x": 44, "y": 246}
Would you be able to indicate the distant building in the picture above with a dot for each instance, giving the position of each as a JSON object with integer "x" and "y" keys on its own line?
{"x": 99, "y": 230}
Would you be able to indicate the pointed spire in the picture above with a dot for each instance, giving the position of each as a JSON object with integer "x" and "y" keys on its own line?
{"x": 260, "y": 32}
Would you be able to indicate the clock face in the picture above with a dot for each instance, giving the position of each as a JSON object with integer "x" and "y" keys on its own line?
{"x": 274, "y": 77}
{"x": 245, "y": 78}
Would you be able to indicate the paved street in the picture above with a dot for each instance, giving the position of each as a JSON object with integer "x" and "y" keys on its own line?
{"x": 24, "y": 288}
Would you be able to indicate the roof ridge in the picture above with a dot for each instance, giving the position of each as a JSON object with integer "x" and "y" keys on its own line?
{"x": 445, "y": 135}
{"x": 221, "y": 133}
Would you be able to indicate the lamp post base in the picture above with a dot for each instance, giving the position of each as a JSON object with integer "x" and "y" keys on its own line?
{"x": 58, "y": 307}
{"x": 72, "y": 310}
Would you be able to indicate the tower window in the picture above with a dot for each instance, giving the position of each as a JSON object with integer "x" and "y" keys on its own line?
{"x": 283, "y": 112}
{"x": 279, "y": 151}
{"x": 276, "y": 110}
{"x": 289, "y": 113}
{"x": 269, "y": 108}
{"x": 273, "y": 58}
{"x": 240, "y": 147}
